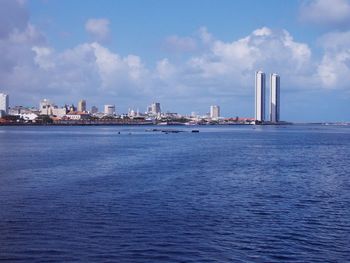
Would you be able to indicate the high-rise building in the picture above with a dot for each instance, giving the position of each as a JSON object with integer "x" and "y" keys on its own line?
{"x": 82, "y": 105}
{"x": 274, "y": 97}
{"x": 260, "y": 96}
{"x": 155, "y": 108}
{"x": 4, "y": 104}
{"x": 109, "y": 109}
{"x": 94, "y": 109}
{"x": 46, "y": 107}
{"x": 214, "y": 112}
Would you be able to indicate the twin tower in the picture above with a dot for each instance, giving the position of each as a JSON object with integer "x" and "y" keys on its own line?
{"x": 260, "y": 90}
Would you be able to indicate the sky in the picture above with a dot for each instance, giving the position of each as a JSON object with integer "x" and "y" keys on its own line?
{"x": 185, "y": 54}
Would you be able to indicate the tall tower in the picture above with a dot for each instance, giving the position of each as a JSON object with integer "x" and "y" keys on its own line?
{"x": 155, "y": 108}
{"x": 214, "y": 112}
{"x": 4, "y": 103}
{"x": 260, "y": 96}
{"x": 109, "y": 109}
{"x": 274, "y": 97}
{"x": 82, "y": 105}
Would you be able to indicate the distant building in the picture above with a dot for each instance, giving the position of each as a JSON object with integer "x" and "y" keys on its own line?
{"x": 28, "y": 116}
{"x": 4, "y": 104}
{"x": 94, "y": 109}
{"x": 82, "y": 105}
{"x": 109, "y": 109}
{"x": 155, "y": 108}
{"x": 149, "y": 109}
{"x": 274, "y": 97}
{"x": 46, "y": 107}
{"x": 59, "y": 112}
{"x": 77, "y": 115}
{"x": 214, "y": 112}
{"x": 16, "y": 110}
{"x": 72, "y": 108}
{"x": 260, "y": 96}
{"x": 132, "y": 113}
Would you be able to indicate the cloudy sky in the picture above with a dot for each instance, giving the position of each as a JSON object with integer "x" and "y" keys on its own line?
{"x": 186, "y": 54}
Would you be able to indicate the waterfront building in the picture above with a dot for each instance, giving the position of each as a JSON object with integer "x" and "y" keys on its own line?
{"x": 72, "y": 108}
{"x": 155, "y": 108}
{"x": 94, "y": 109}
{"x": 76, "y": 115}
{"x": 274, "y": 97}
{"x": 16, "y": 110}
{"x": 149, "y": 110}
{"x": 131, "y": 113}
{"x": 28, "y": 116}
{"x": 4, "y": 104}
{"x": 109, "y": 109}
{"x": 59, "y": 112}
{"x": 214, "y": 112}
{"x": 82, "y": 105}
{"x": 46, "y": 107}
{"x": 260, "y": 96}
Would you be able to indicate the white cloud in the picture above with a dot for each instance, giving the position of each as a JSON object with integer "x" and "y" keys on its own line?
{"x": 211, "y": 68}
{"x": 165, "y": 70}
{"x": 334, "y": 69}
{"x": 91, "y": 66}
{"x": 32, "y": 68}
{"x": 180, "y": 44}
{"x": 205, "y": 36}
{"x": 326, "y": 12}
{"x": 98, "y": 28}
{"x": 235, "y": 62}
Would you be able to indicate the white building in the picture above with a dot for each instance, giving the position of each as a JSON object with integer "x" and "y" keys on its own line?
{"x": 260, "y": 96}
{"x": 155, "y": 108}
{"x": 4, "y": 104}
{"x": 59, "y": 112}
{"x": 214, "y": 112}
{"x": 109, "y": 109}
{"x": 46, "y": 107}
{"x": 28, "y": 116}
{"x": 77, "y": 116}
{"x": 274, "y": 97}
{"x": 82, "y": 105}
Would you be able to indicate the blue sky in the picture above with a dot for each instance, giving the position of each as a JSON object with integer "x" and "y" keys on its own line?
{"x": 187, "y": 55}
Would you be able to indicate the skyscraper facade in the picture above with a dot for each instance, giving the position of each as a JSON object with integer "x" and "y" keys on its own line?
{"x": 260, "y": 96}
{"x": 214, "y": 112}
{"x": 94, "y": 109}
{"x": 274, "y": 97}
{"x": 82, "y": 105}
{"x": 46, "y": 107}
{"x": 109, "y": 109}
{"x": 155, "y": 107}
{"x": 4, "y": 104}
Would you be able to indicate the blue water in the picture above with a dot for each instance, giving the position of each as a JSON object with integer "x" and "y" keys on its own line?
{"x": 225, "y": 194}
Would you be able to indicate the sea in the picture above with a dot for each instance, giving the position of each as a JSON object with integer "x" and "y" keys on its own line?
{"x": 167, "y": 194}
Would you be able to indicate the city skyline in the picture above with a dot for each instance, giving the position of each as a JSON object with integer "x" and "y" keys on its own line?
{"x": 48, "y": 107}
{"x": 136, "y": 52}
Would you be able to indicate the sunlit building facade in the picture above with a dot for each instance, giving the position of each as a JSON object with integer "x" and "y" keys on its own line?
{"x": 4, "y": 104}
{"x": 260, "y": 96}
{"x": 274, "y": 97}
{"x": 109, "y": 109}
{"x": 214, "y": 112}
{"x": 82, "y": 106}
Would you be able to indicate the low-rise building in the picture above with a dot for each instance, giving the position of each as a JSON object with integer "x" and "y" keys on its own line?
{"x": 77, "y": 115}
{"x": 59, "y": 112}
